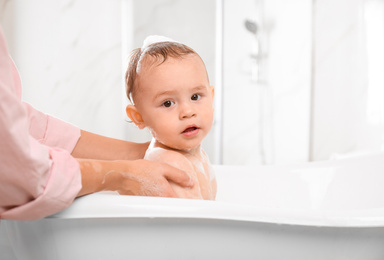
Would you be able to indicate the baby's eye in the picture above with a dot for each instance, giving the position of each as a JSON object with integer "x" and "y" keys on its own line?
{"x": 168, "y": 103}
{"x": 195, "y": 97}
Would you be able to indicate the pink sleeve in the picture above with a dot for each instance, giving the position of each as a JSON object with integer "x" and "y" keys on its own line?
{"x": 51, "y": 131}
{"x": 38, "y": 175}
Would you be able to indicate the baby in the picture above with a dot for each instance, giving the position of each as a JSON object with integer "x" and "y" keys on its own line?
{"x": 168, "y": 86}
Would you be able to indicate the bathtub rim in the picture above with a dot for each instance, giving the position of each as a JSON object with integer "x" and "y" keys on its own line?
{"x": 89, "y": 207}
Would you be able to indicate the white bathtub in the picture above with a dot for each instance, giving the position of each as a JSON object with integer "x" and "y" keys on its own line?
{"x": 324, "y": 210}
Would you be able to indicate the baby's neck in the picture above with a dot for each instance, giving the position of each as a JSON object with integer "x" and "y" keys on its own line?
{"x": 195, "y": 151}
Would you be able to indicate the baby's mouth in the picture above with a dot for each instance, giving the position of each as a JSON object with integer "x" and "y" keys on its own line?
{"x": 191, "y": 130}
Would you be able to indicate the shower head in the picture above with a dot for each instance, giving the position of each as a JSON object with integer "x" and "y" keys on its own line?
{"x": 251, "y": 26}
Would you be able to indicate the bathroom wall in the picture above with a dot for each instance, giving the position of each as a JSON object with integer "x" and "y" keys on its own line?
{"x": 266, "y": 115}
{"x": 314, "y": 91}
{"x": 72, "y": 57}
{"x": 348, "y": 95}
{"x": 69, "y": 58}
{"x": 320, "y": 89}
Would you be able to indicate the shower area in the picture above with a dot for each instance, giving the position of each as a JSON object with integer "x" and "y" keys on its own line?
{"x": 265, "y": 72}
{"x": 295, "y": 81}
{"x": 258, "y": 54}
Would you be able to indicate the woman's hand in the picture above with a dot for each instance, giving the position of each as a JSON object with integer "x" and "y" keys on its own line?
{"x": 116, "y": 165}
{"x": 138, "y": 177}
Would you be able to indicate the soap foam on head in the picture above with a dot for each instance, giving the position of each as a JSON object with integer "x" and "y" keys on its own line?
{"x": 155, "y": 39}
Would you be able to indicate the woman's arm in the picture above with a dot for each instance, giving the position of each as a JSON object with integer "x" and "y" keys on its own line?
{"x": 137, "y": 177}
{"x": 93, "y": 146}
{"x": 35, "y": 180}
{"x": 117, "y": 165}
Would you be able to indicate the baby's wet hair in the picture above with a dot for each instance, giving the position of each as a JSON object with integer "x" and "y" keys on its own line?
{"x": 159, "y": 52}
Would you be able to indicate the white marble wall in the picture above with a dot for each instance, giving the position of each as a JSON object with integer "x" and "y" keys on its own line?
{"x": 348, "y": 79}
{"x": 69, "y": 57}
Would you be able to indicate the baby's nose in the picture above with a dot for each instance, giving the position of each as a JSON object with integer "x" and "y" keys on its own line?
{"x": 187, "y": 111}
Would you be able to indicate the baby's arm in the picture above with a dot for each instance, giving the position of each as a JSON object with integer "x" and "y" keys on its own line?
{"x": 179, "y": 161}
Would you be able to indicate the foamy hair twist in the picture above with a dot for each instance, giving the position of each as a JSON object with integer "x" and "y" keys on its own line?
{"x": 155, "y": 39}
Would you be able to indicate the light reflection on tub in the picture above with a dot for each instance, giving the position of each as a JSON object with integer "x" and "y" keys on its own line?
{"x": 322, "y": 210}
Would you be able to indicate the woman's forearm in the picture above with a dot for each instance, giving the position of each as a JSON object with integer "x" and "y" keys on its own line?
{"x": 100, "y": 175}
{"x": 93, "y": 146}
{"x": 92, "y": 176}
{"x": 136, "y": 177}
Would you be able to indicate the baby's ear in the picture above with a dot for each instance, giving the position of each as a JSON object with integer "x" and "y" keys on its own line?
{"x": 212, "y": 88}
{"x": 135, "y": 116}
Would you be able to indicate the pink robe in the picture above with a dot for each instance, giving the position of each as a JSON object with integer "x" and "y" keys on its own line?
{"x": 38, "y": 176}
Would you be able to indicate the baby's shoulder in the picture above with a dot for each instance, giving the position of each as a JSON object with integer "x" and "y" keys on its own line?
{"x": 173, "y": 158}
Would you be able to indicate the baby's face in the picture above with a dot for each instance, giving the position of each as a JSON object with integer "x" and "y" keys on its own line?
{"x": 175, "y": 101}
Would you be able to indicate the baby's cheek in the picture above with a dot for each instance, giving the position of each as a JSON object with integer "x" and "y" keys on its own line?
{"x": 161, "y": 131}
{"x": 165, "y": 127}
{"x": 162, "y": 134}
